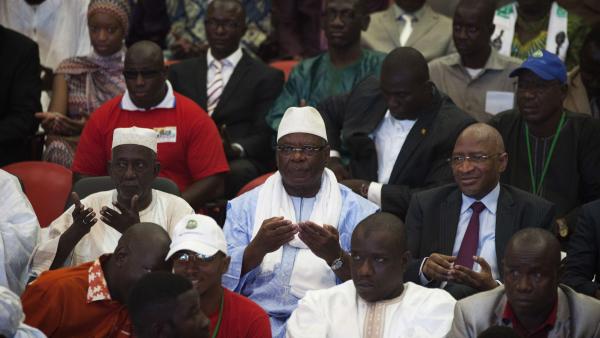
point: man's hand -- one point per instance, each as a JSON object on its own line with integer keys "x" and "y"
{"x": 274, "y": 232}
{"x": 357, "y": 186}
{"x": 340, "y": 171}
{"x": 230, "y": 151}
{"x": 83, "y": 219}
{"x": 437, "y": 267}
{"x": 121, "y": 221}
{"x": 322, "y": 241}
{"x": 478, "y": 280}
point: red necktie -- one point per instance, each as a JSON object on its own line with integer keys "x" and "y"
{"x": 470, "y": 243}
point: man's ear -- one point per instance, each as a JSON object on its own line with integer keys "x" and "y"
{"x": 156, "y": 168}
{"x": 121, "y": 256}
{"x": 108, "y": 167}
{"x": 364, "y": 22}
{"x": 226, "y": 262}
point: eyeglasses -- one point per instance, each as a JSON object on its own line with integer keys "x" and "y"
{"x": 305, "y": 150}
{"x": 227, "y": 24}
{"x": 146, "y": 74}
{"x": 460, "y": 159}
{"x": 195, "y": 257}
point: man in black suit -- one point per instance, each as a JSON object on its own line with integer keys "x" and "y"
{"x": 236, "y": 91}
{"x": 20, "y": 88}
{"x": 583, "y": 256}
{"x": 457, "y": 233}
{"x": 398, "y": 131}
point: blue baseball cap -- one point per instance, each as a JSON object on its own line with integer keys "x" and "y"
{"x": 544, "y": 64}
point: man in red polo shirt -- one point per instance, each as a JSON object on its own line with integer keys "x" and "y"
{"x": 189, "y": 146}
{"x": 199, "y": 253}
{"x": 89, "y": 300}
{"x": 531, "y": 301}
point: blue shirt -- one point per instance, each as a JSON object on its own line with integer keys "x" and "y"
{"x": 271, "y": 290}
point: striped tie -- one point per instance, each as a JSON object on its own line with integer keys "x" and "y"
{"x": 215, "y": 88}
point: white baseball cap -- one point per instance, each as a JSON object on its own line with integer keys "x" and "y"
{"x": 198, "y": 233}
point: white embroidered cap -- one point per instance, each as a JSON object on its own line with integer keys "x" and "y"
{"x": 198, "y": 233}
{"x": 140, "y": 136}
{"x": 302, "y": 120}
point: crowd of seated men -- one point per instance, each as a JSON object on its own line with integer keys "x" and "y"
{"x": 424, "y": 169}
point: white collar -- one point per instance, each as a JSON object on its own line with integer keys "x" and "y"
{"x": 168, "y": 101}
{"x": 404, "y": 124}
{"x": 232, "y": 60}
{"x": 490, "y": 200}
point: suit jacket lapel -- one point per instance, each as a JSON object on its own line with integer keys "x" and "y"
{"x": 449, "y": 216}
{"x": 428, "y": 20}
{"x": 505, "y": 224}
{"x": 201, "y": 78}
{"x": 236, "y": 78}
{"x": 416, "y": 135}
{"x": 391, "y": 25}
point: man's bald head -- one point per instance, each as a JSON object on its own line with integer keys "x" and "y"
{"x": 531, "y": 264}
{"x": 379, "y": 257}
{"x": 406, "y": 61}
{"x": 478, "y": 160}
{"x": 386, "y": 222}
{"x": 142, "y": 249}
{"x": 484, "y": 133}
{"x": 405, "y": 83}
{"x": 147, "y": 51}
{"x": 535, "y": 242}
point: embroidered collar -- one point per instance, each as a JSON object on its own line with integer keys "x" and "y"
{"x": 97, "y": 287}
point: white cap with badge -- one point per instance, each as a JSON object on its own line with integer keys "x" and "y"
{"x": 302, "y": 120}
{"x": 198, "y": 233}
{"x": 139, "y": 136}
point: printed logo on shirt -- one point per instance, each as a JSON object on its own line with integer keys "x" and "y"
{"x": 166, "y": 134}
{"x": 191, "y": 224}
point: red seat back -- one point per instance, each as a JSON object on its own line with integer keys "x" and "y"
{"x": 285, "y": 66}
{"x": 254, "y": 183}
{"x": 47, "y": 186}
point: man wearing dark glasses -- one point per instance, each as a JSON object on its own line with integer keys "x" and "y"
{"x": 189, "y": 146}
{"x": 457, "y": 233}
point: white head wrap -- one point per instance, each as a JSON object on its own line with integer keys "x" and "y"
{"x": 139, "y": 136}
{"x": 302, "y": 120}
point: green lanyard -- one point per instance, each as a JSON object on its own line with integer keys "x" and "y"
{"x": 218, "y": 326}
{"x": 536, "y": 187}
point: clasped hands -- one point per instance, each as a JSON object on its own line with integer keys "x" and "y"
{"x": 60, "y": 124}
{"x": 274, "y": 232}
{"x": 121, "y": 220}
{"x": 442, "y": 268}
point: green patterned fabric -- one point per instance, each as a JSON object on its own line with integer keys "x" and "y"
{"x": 576, "y": 31}
{"x": 315, "y": 79}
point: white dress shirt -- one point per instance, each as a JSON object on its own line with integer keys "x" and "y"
{"x": 59, "y": 27}
{"x": 389, "y": 137}
{"x": 229, "y": 64}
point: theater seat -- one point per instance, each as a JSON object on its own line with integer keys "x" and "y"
{"x": 254, "y": 183}
{"x": 89, "y": 185}
{"x": 47, "y": 186}
{"x": 285, "y": 66}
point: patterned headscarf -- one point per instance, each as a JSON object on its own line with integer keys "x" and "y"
{"x": 119, "y": 8}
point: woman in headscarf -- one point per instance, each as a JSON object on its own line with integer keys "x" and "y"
{"x": 84, "y": 83}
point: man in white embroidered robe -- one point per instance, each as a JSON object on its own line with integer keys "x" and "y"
{"x": 292, "y": 233}
{"x": 376, "y": 303}
{"x": 93, "y": 226}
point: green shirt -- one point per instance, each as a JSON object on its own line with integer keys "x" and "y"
{"x": 315, "y": 79}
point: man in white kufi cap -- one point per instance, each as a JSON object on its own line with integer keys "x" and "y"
{"x": 93, "y": 226}
{"x": 292, "y": 234}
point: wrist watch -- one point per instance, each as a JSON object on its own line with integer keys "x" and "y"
{"x": 337, "y": 263}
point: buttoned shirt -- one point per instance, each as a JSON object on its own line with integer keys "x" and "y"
{"x": 399, "y": 12}
{"x": 483, "y": 95}
{"x": 389, "y": 137}
{"x": 229, "y": 63}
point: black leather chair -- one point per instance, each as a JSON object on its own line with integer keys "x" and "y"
{"x": 89, "y": 185}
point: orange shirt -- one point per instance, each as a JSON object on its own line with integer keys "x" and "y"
{"x": 75, "y": 302}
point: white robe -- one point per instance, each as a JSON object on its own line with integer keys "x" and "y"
{"x": 19, "y": 230}
{"x": 165, "y": 210}
{"x": 339, "y": 312}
